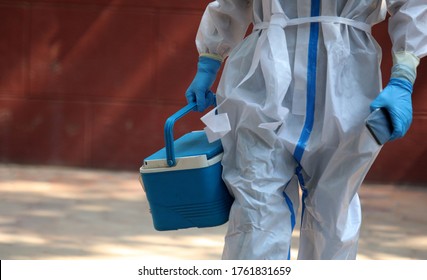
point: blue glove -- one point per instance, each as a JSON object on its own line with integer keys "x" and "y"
{"x": 396, "y": 99}
{"x": 199, "y": 90}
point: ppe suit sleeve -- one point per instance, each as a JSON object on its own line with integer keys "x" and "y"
{"x": 223, "y": 26}
{"x": 408, "y": 33}
{"x": 407, "y": 26}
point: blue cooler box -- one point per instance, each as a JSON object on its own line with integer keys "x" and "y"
{"x": 183, "y": 181}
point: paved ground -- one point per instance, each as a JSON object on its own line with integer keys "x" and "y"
{"x": 68, "y": 213}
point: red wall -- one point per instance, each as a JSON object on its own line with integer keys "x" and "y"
{"x": 404, "y": 160}
{"x": 90, "y": 82}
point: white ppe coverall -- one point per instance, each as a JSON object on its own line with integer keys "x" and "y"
{"x": 297, "y": 89}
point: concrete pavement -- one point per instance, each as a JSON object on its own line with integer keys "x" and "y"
{"x": 72, "y": 213}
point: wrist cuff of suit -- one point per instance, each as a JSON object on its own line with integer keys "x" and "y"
{"x": 212, "y": 56}
{"x": 405, "y": 66}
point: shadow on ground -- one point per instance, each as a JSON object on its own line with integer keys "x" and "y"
{"x": 66, "y": 213}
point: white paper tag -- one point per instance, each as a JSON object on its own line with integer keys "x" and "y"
{"x": 216, "y": 125}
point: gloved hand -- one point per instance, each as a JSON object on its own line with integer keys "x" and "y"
{"x": 396, "y": 98}
{"x": 199, "y": 90}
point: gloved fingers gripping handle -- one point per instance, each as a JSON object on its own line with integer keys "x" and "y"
{"x": 202, "y": 99}
{"x": 199, "y": 90}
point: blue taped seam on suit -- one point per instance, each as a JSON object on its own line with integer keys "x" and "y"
{"x": 311, "y": 95}
{"x": 304, "y": 190}
{"x": 291, "y": 207}
{"x": 311, "y": 83}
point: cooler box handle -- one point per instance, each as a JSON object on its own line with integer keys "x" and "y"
{"x": 169, "y": 140}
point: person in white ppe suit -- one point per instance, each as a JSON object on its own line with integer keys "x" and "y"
{"x": 297, "y": 89}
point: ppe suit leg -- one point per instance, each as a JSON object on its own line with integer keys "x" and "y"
{"x": 332, "y": 216}
{"x": 257, "y": 168}
{"x": 339, "y": 150}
